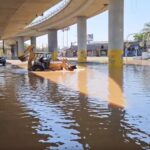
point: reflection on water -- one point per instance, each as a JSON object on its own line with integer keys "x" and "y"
{"x": 91, "y": 108}
{"x": 115, "y": 83}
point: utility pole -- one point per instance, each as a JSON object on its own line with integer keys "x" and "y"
{"x": 65, "y": 29}
{"x": 63, "y": 36}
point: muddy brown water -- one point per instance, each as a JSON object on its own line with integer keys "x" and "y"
{"x": 90, "y": 108}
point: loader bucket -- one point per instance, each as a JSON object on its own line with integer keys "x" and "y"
{"x": 22, "y": 58}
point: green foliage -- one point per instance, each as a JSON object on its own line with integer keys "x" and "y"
{"x": 138, "y": 36}
{"x": 144, "y": 35}
{"x": 146, "y": 28}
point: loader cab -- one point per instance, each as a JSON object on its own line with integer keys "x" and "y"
{"x": 41, "y": 61}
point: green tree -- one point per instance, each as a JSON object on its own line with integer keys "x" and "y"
{"x": 146, "y": 28}
{"x": 144, "y": 35}
{"x": 139, "y": 36}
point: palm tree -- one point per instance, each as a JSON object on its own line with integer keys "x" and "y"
{"x": 138, "y": 36}
{"x": 144, "y": 35}
{"x": 146, "y": 28}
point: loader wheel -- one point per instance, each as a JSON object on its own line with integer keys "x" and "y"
{"x": 4, "y": 63}
{"x": 37, "y": 68}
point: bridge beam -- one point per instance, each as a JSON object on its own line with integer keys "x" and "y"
{"x": 52, "y": 43}
{"x": 82, "y": 38}
{"x": 20, "y": 45}
{"x": 116, "y": 33}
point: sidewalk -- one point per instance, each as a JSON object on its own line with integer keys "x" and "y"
{"x": 126, "y": 60}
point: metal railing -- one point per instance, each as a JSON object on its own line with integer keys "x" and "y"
{"x": 60, "y": 6}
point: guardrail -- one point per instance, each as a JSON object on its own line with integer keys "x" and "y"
{"x": 60, "y": 7}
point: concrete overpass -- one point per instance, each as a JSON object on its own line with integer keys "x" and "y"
{"x": 77, "y": 12}
{"x": 68, "y": 16}
{"x": 16, "y": 14}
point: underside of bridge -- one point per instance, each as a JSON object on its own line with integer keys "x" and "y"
{"x": 68, "y": 16}
{"x": 16, "y": 14}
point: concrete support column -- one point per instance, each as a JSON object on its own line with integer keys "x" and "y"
{"x": 115, "y": 88}
{"x": 52, "y": 43}
{"x": 33, "y": 41}
{"x": 82, "y": 38}
{"x": 20, "y": 46}
{"x": 116, "y": 32}
{"x": 4, "y": 50}
{"x": 13, "y": 51}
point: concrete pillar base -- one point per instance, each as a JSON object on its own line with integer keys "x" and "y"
{"x": 116, "y": 99}
{"x": 54, "y": 56}
{"x": 115, "y": 58}
{"x": 82, "y": 55}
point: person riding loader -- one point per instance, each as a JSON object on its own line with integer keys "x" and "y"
{"x": 43, "y": 63}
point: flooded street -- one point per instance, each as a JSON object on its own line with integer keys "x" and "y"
{"x": 90, "y": 108}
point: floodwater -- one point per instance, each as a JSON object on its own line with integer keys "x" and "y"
{"x": 90, "y": 108}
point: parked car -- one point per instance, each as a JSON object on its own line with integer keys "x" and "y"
{"x": 2, "y": 61}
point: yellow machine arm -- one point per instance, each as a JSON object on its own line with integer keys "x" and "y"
{"x": 28, "y": 55}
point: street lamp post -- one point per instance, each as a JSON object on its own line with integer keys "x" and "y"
{"x": 65, "y": 29}
{"x": 63, "y": 37}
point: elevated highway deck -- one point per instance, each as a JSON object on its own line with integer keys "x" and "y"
{"x": 68, "y": 16}
{"x": 25, "y": 11}
{"x": 16, "y": 14}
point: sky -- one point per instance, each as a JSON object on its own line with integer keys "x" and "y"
{"x": 136, "y": 14}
